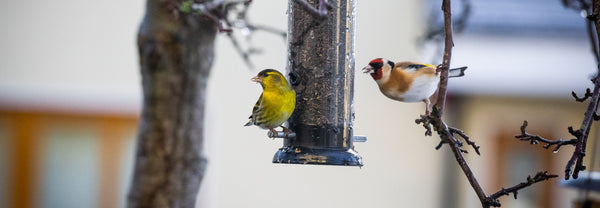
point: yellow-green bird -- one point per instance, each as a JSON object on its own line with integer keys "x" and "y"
{"x": 276, "y": 103}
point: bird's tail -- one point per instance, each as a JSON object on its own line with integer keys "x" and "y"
{"x": 457, "y": 72}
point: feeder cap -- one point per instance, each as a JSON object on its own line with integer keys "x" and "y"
{"x": 585, "y": 181}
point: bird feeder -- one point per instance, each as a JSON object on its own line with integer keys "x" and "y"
{"x": 321, "y": 66}
{"x": 587, "y": 181}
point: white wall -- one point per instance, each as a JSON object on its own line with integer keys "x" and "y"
{"x": 70, "y": 55}
{"x": 81, "y": 56}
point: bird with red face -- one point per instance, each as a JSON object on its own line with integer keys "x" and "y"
{"x": 407, "y": 81}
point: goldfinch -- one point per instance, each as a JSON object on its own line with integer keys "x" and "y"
{"x": 407, "y": 81}
{"x": 275, "y": 104}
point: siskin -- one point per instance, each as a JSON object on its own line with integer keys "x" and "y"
{"x": 275, "y": 104}
{"x": 407, "y": 81}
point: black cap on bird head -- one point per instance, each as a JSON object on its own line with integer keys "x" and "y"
{"x": 262, "y": 74}
{"x": 271, "y": 76}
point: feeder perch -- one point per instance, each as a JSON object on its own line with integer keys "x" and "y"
{"x": 321, "y": 66}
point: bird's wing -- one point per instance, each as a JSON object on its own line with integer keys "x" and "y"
{"x": 416, "y": 66}
{"x": 256, "y": 107}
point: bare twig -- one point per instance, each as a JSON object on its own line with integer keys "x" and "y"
{"x": 443, "y": 68}
{"x": 214, "y": 10}
{"x": 540, "y": 176}
{"x": 575, "y": 164}
{"x": 593, "y": 40}
{"x": 465, "y": 137}
{"x": 440, "y": 145}
{"x": 245, "y": 54}
{"x": 242, "y": 19}
{"x": 447, "y": 138}
{"x": 535, "y": 139}
{"x": 233, "y": 14}
{"x": 217, "y": 20}
{"x": 583, "y": 132}
{"x": 254, "y": 27}
{"x": 436, "y": 31}
{"x": 435, "y": 118}
{"x": 424, "y": 120}
{"x": 587, "y": 95}
{"x": 446, "y": 133}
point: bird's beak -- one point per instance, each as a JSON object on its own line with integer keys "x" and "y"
{"x": 256, "y": 79}
{"x": 367, "y": 69}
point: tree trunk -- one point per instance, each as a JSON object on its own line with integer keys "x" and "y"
{"x": 176, "y": 51}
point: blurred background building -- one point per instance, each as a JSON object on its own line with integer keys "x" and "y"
{"x": 70, "y": 96}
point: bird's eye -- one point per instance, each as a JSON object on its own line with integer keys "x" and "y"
{"x": 377, "y": 65}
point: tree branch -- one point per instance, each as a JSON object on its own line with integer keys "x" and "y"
{"x": 575, "y": 164}
{"x": 535, "y": 139}
{"x": 424, "y": 120}
{"x": 215, "y": 10}
{"x": 591, "y": 113}
{"x": 593, "y": 39}
{"x": 540, "y": 176}
{"x": 445, "y": 66}
{"x": 234, "y": 14}
{"x": 245, "y": 54}
{"x": 434, "y": 31}
{"x": 447, "y": 133}
{"x": 447, "y": 138}
{"x": 587, "y": 95}
{"x": 583, "y": 132}
{"x": 254, "y": 27}
{"x": 435, "y": 118}
{"x": 465, "y": 137}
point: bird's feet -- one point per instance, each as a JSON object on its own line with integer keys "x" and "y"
{"x": 427, "y": 103}
{"x": 273, "y": 132}
{"x": 286, "y": 131}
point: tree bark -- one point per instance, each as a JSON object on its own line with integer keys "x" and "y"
{"x": 176, "y": 52}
